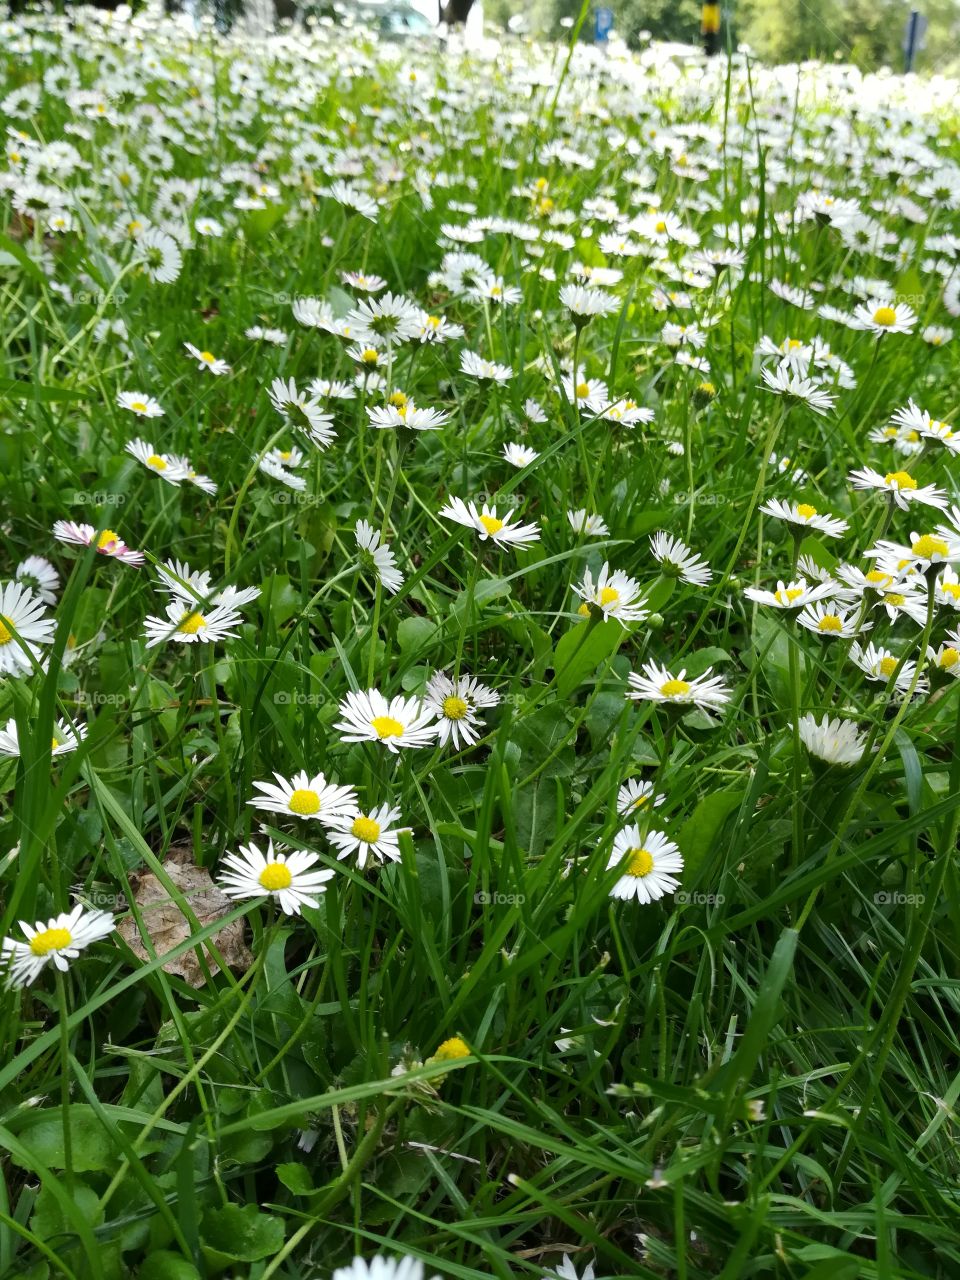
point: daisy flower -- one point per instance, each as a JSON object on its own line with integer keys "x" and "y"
{"x": 614, "y": 593}
{"x": 391, "y": 318}
{"x": 637, "y": 794}
{"x": 438, "y": 329}
{"x": 56, "y": 941}
{"x": 784, "y": 383}
{"x": 489, "y": 525}
{"x": 107, "y": 542}
{"x": 302, "y": 410}
{"x": 803, "y": 515}
{"x": 375, "y": 552}
{"x": 475, "y": 366}
{"x": 407, "y": 414}
{"x": 186, "y": 624}
{"x": 936, "y": 335}
{"x": 401, "y": 722}
{"x": 272, "y": 465}
{"x": 880, "y": 315}
{"x": 947, "y": 589}
{"x": 455, "y": 704}
{"x": 588, "y": 393}
{"x": 650, "y": 865}
{"x": 305, "y": 797}
{"x": 833, "y": 741}
{"x": 791, "y": 595}
{"x": 190, "y": 475}
{"x": 657, "y": 684}
{"x": 593, "y": 526}
{"x": 380, "y": 1268}
{"x": 159, "y": 255}
{"x": 161, "y": 464}
{"x": 677, "y": 560}
{"x": 140, "y": 403}
{"x": 287, "y": 877}
{"x": 879, "y": 664}
{"x": 519, "y": 455}
{"x": 584, "y": 303}
{"x": 23, "y": 626}
{"x": 946, "y": 657}
{"x": 369, "y": 835}
{"x": 65, "y": 738}
{"x": 901, "y": 487}
{"x": 39, "y": 575}
{"x": 190, "y": 586}
{"x": 207, "y": 360}
{"x": 368, "y": 284}
{"x": 831, "y": 622}
{"x": 926, "y": 551}
{"x": 533, "y": 411}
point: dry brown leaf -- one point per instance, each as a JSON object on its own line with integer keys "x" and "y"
{"x": 167, "y": 925}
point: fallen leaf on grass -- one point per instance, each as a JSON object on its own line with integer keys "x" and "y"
{"x": 168, "y": 927}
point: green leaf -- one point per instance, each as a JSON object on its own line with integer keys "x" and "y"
{"x": 42, "y": 1135}
{"x": 240, "y": 1233}
{"x": 698, "y": 835}
{"x": 13, "y": 389}
{"x": 414, "y": 634}
{"x": 580, "y": 651}
{"x": 49, "y": 1219}
{"x": 18, "y": 252}
{"x": 296, "y": 1178}
{"x": 164, "y": 1265}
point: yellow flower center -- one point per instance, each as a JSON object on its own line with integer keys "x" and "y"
{"x": 894, "y": 598}
{"x": 584, "y": 610}
{"x": 156, "y": 462}
{"x": 41, "y": 944}
{"x": 830, "y": 622}
{"x": 54, "y": 744}
{"x": 639, "y": 863}
{"x": 274, "y": 876}
{"x": 951, "y": 589}
{"x": 888, "y": 666}
{"x": 365, "y": 829}
{"x": 304, "y": 802}
{"x": 433, "y": 322}
{"x": 787, "y": 595}
{"x": 387, "y": 727}
{"x": 491, "y": 524}
{"x": 609, "y": 595}
{"x": 885, "y": 316}
{"x": 455, "y": 708}
{"x": 950, "y": 657}
{"x": 877, "y": 578}
{"x": 900, "y": 479}
{"x": 674, "y": 688}
{"x": 929, "y": 546}
{"x": 369, "y": 356}
{"x": 192, "y": 623}
{"x": 452, "y": 1049}
{"x": 582, "y": 390}
{"x": 207, "y": 357}
{"x": 107, "y": 540}
{"x": 398, "y": 399}
{"x": 660, "y": 227}
{"x": 805, "y": 511}
{"x": 6, "y": 635}
{"x": 134, "y": 226}
{"x": 138, "y": 405}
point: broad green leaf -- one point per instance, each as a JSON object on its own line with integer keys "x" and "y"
{"x": 240, "y": 1233}
{"x": 580, "y": 651}
{"x": 42, "y": 1135}
{"x": 698, "y": 836}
